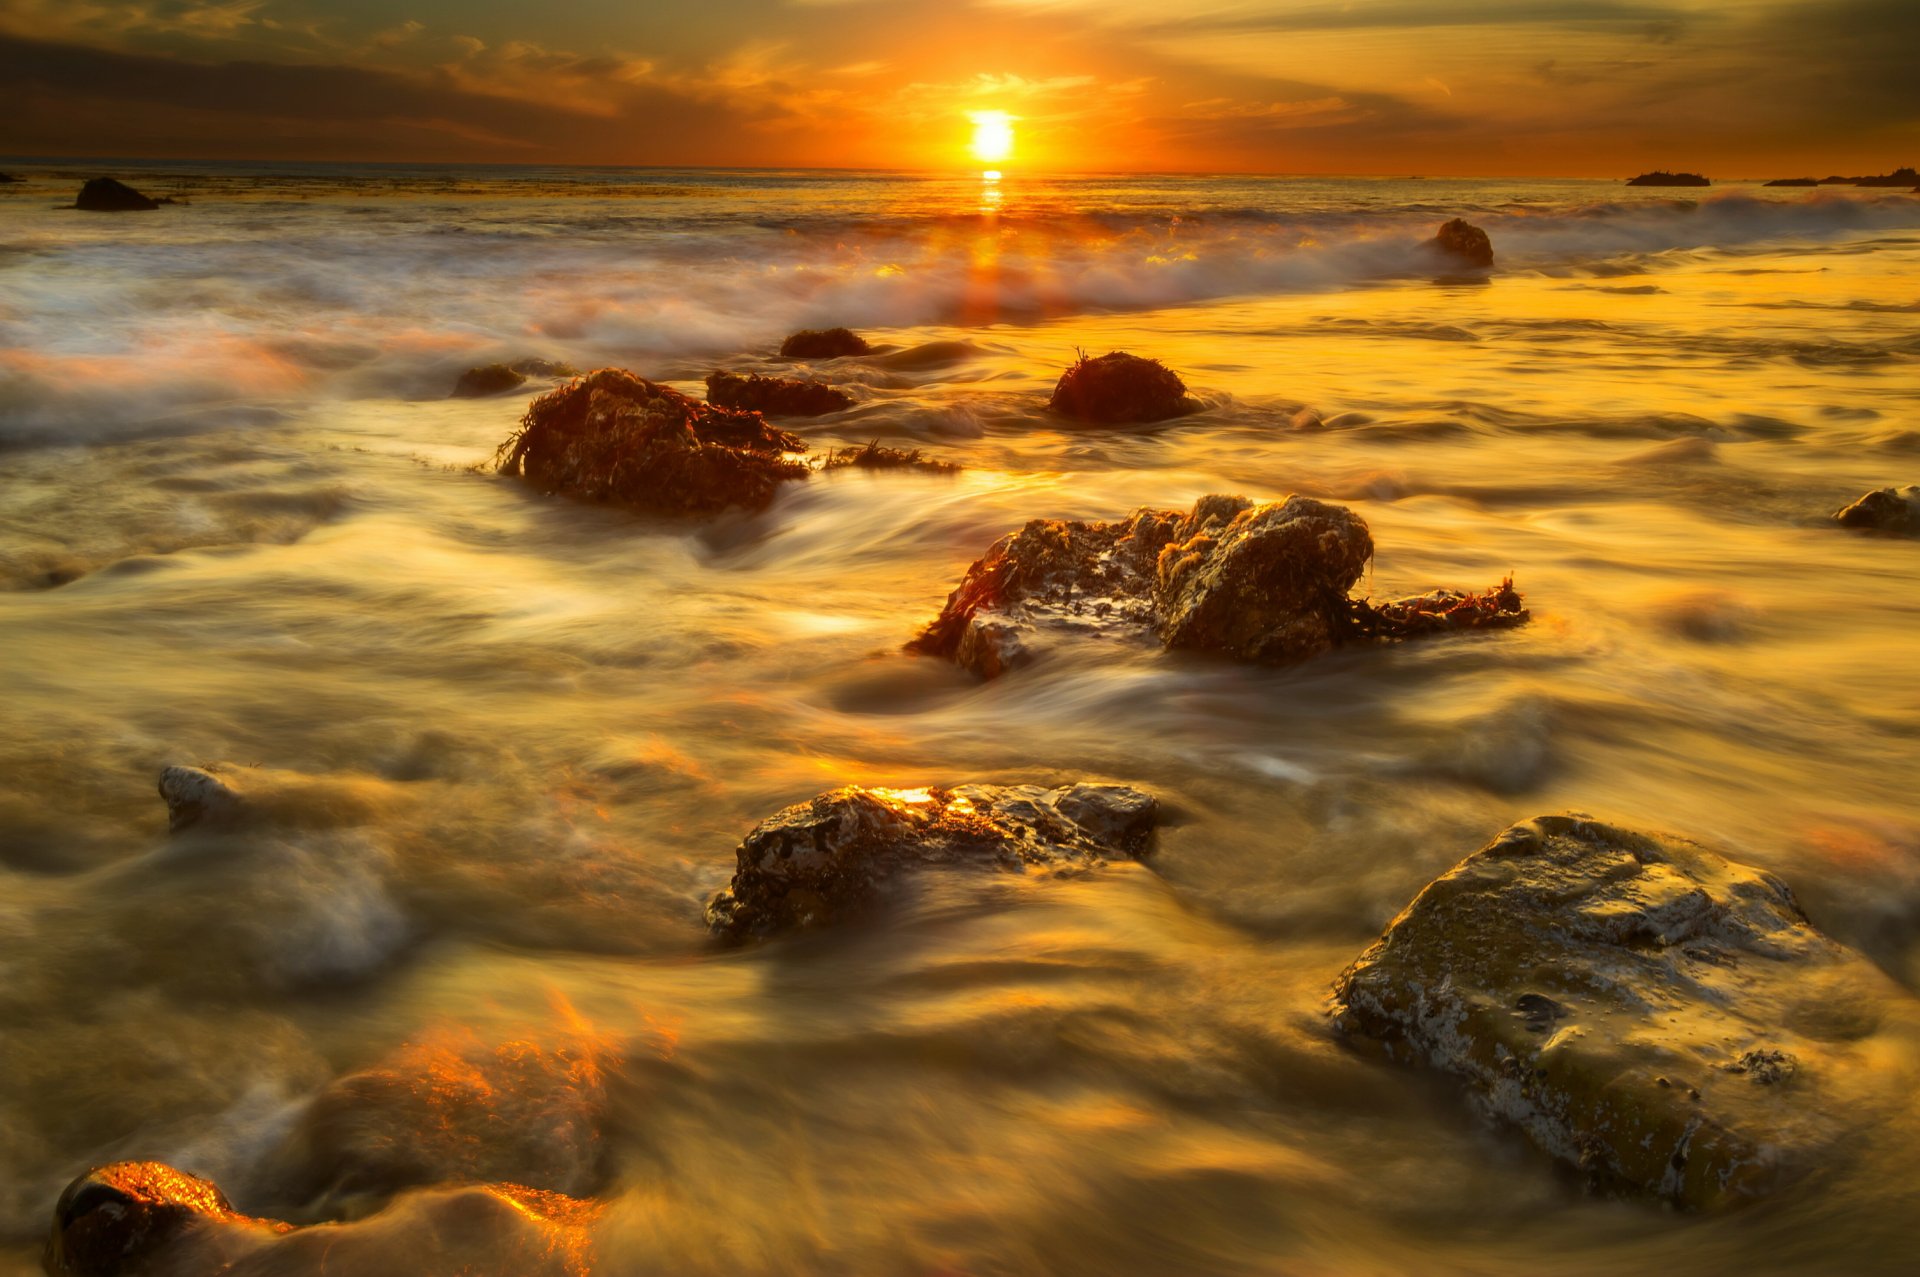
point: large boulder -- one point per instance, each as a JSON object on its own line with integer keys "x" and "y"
{"x": 1662, "y": 1018}
{"x": 105, "y": 195}
{"x": 831, "y": 858}
{"x": 148, "y": 1218}
{"x": 1260, "y": 582}
{"x": 612, "y": 436}
{"x": 1895, "y": 510}
{"x": 824, "y": 343}
{"x": 1119, "y": 388}
{"x": 778, "y": 396}
{"x": 1461, "y": 241}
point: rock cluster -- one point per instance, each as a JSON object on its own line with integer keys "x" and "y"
{"x": 1260, "y": 582}
{"x": 831, "y": 858}
{"x": 826, "y": 343}
{"x": 612, "y": 436}
{"x": 1895, "y": 510}
{"x": 1119, "y": 388}
{"x": 775, "y": 396}
{"x": 1662, "y": 1018}
{"x": 1460, "y": 240}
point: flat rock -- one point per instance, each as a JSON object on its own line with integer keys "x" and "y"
{"x": 779, "y": 396}
{"x": 1895, "y": 510}
{"x": 612, "y": 436}
{"x": 831, "y": 858}
{"x": 1664, "y": 1019}
{"x": 1263, "y": 583}
{"x": 1462, "y": 241}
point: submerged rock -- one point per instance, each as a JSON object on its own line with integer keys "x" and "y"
{"x": 1260, "y": 582}
{"x": 487, "y": 379}
{"x": 1895, "y": 510}
{"x": 779, "y": 396}
{"x": 193, "y": 794}
{"x": 825, "y": 343}
{"x": 131, "y": 1218}
{"x": 1118, "y": 388}
{"x": 877, "y": 456}
{"x": 612, "y": 436}
{"x": 1661, "y": 1018}
{"x": 1462, "y": 241}
{"x": 105, "y": 195}
{"x": 828, "y": 859}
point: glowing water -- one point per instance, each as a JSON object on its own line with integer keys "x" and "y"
{"x": 238, "y": 523}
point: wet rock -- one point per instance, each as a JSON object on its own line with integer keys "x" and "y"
{"x": 8, "y": 178}
{"x": 826, "y": 343}
{"x": 612, "y": 436}
{"x": 544, "y": 368}
{"x": 779, "y": 396}
{"x": 1462, "y": 241}
{"x": 196, "y": 794}
{"x": 825, "y": 860}
{"x": 147, "y": 1218}
{"x": 1661, "y": 177}
{"x": 1895, "y": 510}
{"x": 105, "y": 195}
{"x": 1120, "y": 388}
{"x": 877, "y": 456}
{"x": 1662, "y": 1018}
{"x": 1261, "y": 582}
{"x": 487, "y": 379}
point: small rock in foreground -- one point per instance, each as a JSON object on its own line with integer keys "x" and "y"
{"x": 106, "y": 195}
{"x": 1260, "y": 582}
{"x": 1462, "y": 241}
{"x": 824, "y": 343}
{"x": 612, "y": 436}
{"x": 1661, "y": 1018}
{"x": 1119, "y": 388}
{"x": 1895, "y": 510}
{"x": 829, "y": 859}
{"x": 776, "y": 396}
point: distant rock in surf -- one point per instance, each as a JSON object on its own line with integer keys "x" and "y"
{"x": 146, "y": 1217}
{"x": 1661, "y": 1018}
{"x": 498, "y": 379}
{"x": 1462, "y": 241}
{"x": 1899, "y": 177}
{"x": 1263, "y": 583}
{"x": 776, "y": 396}
{"x": 1895, "y": 510}
{"x": 1794, "y": 181}
{"x": 1119, "y": 388}
{"x": 611, "y": 436}
{"x": 1663, "y": 178}
{"x": 831, "y": 858}
{"x": 6, "y": 178}
{"x": 826, "y": 343}
{"x": 106, "y": 195}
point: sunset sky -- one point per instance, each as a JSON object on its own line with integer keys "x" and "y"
{"x": 1485, "y": 87}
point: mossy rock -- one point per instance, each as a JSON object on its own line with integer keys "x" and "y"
{"x": 824, "y": 343}
{"x": 1461, "y": 241}
{"x": 1119, "y": 388}
{"x": 775, "y": 396}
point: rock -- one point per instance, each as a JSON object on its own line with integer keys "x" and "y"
{"x": 1662, "y": 1018}
{"x": 544, "y": 368}
{"x": 6, "y": 178}
{"x": 828, "y": 343}
{"x": 1899, "y": 177}
{"x": 1265, "y": 583}
{"x": 194, "y": 794}
{"x": 1794, "y": 181}
{"x": 876, "y": 456}
{"x": 829, "y": 859}
{"x": 1462, "y": 241}
{"x": 1895, "y": 510}
{"x": 1663, "y": 178}
{"x": 105, "y": 195}
{"x": 779, "y": 396}
{"x": 612, "y": 436}
{"x": 147, "y": 1218}
{"x": 487, "y": 379}
{"x": 1119, "y": 388}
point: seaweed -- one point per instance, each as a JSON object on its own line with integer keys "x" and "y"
{"x": 1438, "y": 612}
{"x": 876, "y": 456}
{"x": 782, "y": 396}
{"x": 824, "y": 343}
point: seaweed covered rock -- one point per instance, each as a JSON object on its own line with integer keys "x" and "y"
{"x": 778, "y": 396}
{"x": 106, "y": 195}
{"x": 487, "y": 379}
{"x": 1261, "y": 582}
{"x": 1895, "y": 510}
{"x": 831, "y": 858}
{"x": 824, "y": 343}
{"x": 147, "y": 1218}
{"x": 1119, "y": 388}
{"x": 612, "y": 436}
{"x": 1661, "y": 1018}
{"x": 1461, "y": 241}
{"x": 877, "y": 456}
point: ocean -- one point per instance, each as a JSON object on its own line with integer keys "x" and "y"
{"x": 242, "y": 522}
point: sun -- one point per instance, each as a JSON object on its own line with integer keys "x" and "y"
{"x": 992, "y": 136}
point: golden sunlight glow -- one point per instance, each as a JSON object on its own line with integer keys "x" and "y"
{"x": 992, "y": 136}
